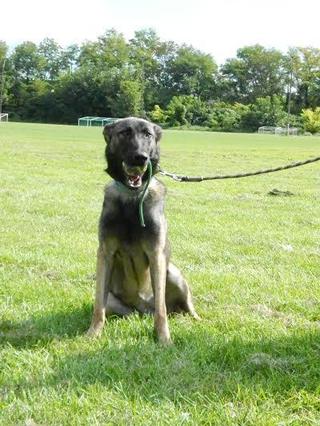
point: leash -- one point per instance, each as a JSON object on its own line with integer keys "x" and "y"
{"x": 182, "y": 178}
{"x": 142, "y": 195}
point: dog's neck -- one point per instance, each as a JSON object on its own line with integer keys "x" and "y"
{"x": 133, "y": 193}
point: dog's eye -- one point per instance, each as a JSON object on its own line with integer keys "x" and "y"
{"x": 147, "y": 134}
{"x": 126, "y": 132}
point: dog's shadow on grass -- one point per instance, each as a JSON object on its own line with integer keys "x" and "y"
{"x": 196, "y": 367}
{"x": 199, "y": 364}
{"x": 42, "y": 328}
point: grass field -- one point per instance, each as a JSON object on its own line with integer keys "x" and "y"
{"x": 252, "y": 260}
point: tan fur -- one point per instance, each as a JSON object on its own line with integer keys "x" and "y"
{"x": 133, "y": 268}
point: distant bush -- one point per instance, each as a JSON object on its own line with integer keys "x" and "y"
{"x": 224, "y": 117}
{"x": 189, "y": 111}
{"x": 157, "y": 115}
{"x": 311, "y": 120}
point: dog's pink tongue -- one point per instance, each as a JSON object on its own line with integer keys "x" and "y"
{"x": 134, "y": 180}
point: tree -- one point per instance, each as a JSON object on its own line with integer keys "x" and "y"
{"x": 149, "y": 56}
{"x": 3, "y": 59}
{"x": 70, "y": 58}
{"x": 51, "y": 58}
{"x": 76, "y": 95}
{"x": 267, "y": 111}
{"x": 129, "y": 100}
{"x": 256, "y": 72}
{"x": 192, "y": 73}
{"x": 3, "y": 50}
{"x": 187, "y": 110}
{"x": 27, "y": 62}
{"x": 26, "y": 68}
{"x": 113, "y": 49}
{"x": 225, "y": 117}
{"x": 176, "y": 112}
{"x": 303, "y": 64}
{"x": 109, "y": 51}
{"x": 176, "y": 84}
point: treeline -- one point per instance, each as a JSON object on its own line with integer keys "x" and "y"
{"x": 169, "y": 83}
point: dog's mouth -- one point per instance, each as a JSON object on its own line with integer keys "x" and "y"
{"x": 134, "y": 175}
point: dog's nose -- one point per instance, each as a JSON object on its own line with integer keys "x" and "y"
{"x": 141, "y": 158}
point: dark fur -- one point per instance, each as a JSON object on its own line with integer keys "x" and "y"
{"x": 133, "y": 267}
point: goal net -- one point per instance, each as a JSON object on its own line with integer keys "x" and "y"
{"x": 270, "y": 130}
{"x": 90, "y": 121}
{"x": 3, "y": 117}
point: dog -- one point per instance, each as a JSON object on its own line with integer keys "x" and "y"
{"x": 134, "y": 272}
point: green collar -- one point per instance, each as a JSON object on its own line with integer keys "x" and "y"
{"x": 124, "y": 189}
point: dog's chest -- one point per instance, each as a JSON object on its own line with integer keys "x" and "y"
{"x": 122, "y": 221}
{"x": 132, "y": 263}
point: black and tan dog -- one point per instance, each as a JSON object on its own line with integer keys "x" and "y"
{"x": 133, "y": 268}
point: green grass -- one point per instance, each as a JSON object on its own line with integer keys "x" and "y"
{"x": 252, "y": 260}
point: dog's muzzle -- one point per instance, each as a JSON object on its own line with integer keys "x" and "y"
{"x": 134, "y": 174}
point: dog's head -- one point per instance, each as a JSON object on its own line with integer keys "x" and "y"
{"x": 131, "y": 144}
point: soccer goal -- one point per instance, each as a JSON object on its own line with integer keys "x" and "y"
{"x": 4, "y": 117}
{"x": 267, "y": 130}
{"x": 90, "y": 121}
{"x": 292, "y": 131}
{"x": 270, "y": 130}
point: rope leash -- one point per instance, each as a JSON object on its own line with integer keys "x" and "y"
{"x": 143, "y": 196}
{"x": 182, "y": 178}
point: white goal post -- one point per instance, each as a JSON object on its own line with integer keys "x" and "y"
{"x": 4, "y": 117}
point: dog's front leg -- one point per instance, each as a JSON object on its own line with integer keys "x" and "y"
{"x": 103, "y": 276}
{"x": 158, "y": 279}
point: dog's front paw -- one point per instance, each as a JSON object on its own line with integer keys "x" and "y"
{"x": 165, "y": 340}
{"x": 195, "y": 316}
{"x": 163, "y": 336}
{"x": 94, "y": 331}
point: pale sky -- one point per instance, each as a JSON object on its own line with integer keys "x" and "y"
{"x": 218, "y": 27}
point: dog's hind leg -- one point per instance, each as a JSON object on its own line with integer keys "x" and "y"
{"x": 114, "y": 306}
{"x": 178, "y": 294}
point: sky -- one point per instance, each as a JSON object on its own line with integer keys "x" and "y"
{"x": 218, "y": 27}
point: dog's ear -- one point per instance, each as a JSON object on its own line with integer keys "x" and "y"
{"x": 107, "y": 132}
{"x": 157, "y": 131}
